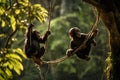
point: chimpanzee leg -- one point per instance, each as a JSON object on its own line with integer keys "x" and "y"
{"x": 83, "y": 55}
{"x": 40, "y": 52}
{"x": 30, "y": 51}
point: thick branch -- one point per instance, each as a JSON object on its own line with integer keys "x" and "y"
{"x": 93, "y": 2}
{"x": 104, "y": 5}
{"x": 56, "y": 61}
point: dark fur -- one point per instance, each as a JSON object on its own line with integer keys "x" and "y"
{"x": 32, "y": 48}
{"x": 77, "y": 41}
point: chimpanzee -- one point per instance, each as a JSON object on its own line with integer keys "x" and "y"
{"x": 77, "y": 39}
{"x": 32, "y": 47}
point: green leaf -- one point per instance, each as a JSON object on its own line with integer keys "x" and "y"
{"x": 17, "y": 11}
{"x": 5, "y": 64}
{"x": 37, "y": 5}
{"x": 12, "y": 63}
{"x": 14, "y": 56}
{"x": 23, "y": 3}
{"x": 1, "y": 77}
{"x": 39, "y": 12}
{"x": 3, "y": 23}
{"x": 8, "y": 72}
{"x": 38, "y": 18}
{"x": 2, "y": 1}
{"x": 19, "y": 51}
{"x": 2, "y": 11}
{"x": 1, "y": 71}
{"x": 18, "y": 67}
{"x": 2, "y": 35}
{"x": 13, "y": 22}
{"x": 3, "y": 74}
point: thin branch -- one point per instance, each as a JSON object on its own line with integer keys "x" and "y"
{"x": 9, "y": 37}
{"x": 41, "y": 76}
{"x": 40, "y": 72}
{"x": 50, "y": 14}
{"x": 56, "y": 61}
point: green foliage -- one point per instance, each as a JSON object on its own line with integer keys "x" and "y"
{"x": 30, "y": 71}
{"x": 39, "y": 12}
{"x": 16, "y": 13}
{"x": 10, "y": 60}
{"x": 2, "y": 35}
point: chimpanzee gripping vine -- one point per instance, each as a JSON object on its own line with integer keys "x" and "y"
{"x": 32, "y": 47}
{"x": 77, "y": 39}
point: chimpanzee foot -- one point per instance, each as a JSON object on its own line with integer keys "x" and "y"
{"x": 37, "y": 61}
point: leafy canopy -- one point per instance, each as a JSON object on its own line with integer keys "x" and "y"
{"x": 15, "y": 15}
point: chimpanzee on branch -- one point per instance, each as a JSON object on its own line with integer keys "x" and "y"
{"x": 32, "y": 44}
{"x": 77, "y": 39}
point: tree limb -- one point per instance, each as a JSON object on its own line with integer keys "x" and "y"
{"x": 56, "y": 61}
{"x": 93, "y": 2}
{"x": 9, "y": 38}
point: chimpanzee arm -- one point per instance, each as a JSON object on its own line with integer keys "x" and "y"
{"x": 94, "y": 34}
{"x": 73, "y": 47}
{"x": 43, "y": 40}
{"x": 29, "y": 32}
{"x": 28, "y": 41}
{"x": 70, "y": 51}
{"x": 91, "y": 40}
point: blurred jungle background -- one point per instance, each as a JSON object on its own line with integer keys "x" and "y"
{"x": 14, "y": 17}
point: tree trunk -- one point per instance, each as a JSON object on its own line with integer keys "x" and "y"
{"x": 111, "y": 23}
{"x": 110, "y": 15}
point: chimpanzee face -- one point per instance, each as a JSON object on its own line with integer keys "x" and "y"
{"x": 78, "y": 34}
{"x": 36, "y": 34}
{"x": 74, "y": 32}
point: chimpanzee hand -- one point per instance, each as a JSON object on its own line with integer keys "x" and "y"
{"x": 95, "y": 32}
{"x": 31, "y": 25}
{"x": 69, "y": 52}
{"x": 48, "y": 33}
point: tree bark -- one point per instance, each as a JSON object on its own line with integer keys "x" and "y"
{"x": 110, "y": 15}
